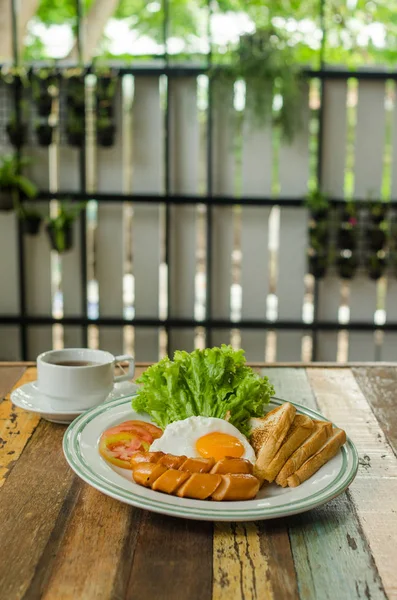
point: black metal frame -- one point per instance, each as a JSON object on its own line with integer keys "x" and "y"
{"x": 23, "y": 320}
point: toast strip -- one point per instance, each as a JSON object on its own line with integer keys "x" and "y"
{"x": 321, "y": 431}
{"x": 315, "y": 462}
{"x": 268, "y": 433}
{"x": 299, "y": 431}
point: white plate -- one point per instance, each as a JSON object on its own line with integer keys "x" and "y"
{"x": 29, "y": 398}
{"x": 80, "y": 446}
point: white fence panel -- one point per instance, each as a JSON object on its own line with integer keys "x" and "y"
{"x": 148, "y": 160}
{"x": 292, "y": 260}
{"x": 223, "y": 166}
{"x": 109, "y": 235}
{"x": 333, "y": 182}
{"x": 256, "y": 181}
{"x": 184, "y": 174}
{"x": 368, "y": 170}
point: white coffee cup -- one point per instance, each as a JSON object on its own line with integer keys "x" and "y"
{"x": 74, "y": 385}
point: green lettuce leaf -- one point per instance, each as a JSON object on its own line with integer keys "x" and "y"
{"x": 214, "y": 382}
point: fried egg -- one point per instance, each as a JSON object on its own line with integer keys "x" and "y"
{"x": 203, "y": 436}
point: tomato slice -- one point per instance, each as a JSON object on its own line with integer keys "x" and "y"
{"x": 118, "y": 443}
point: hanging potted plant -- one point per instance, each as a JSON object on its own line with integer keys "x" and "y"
{"x": 347, "y": 263}
{"x": 12, "y": 183}
{"x": 16, "y": 131}
{"x": 377, "y": 235}
{"x": 378, "y": 211}
{"x": 44, "y": 133}
{"x": 317, "y": 262}
{"x": 75, "y": 88}
{"x": 75, "y": 129}
{"x": 44, "y": 89}
{"x": 106, "y": 130}
{"x": 318, "y": 232}
{"x": 60, "y": 228}
{"x": 376, "y": 264}
{"x": 318, "y": 205}
{"x": 106, "y": 85}
{"x": 30, "y": 219}
{"x": 265, "y": 60}
{"x": 348, "y": 234}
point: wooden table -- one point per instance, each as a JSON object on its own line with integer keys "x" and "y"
{"x": 60, "y": 538}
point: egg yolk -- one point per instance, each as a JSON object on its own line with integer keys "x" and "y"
{"x": 219, "y": 445}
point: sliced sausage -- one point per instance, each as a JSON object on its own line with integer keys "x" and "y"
{"x": 170, "y": 481}
{"x": 197, "y": 465}
{"x": 146, "y": 473}
{"x": 233, "y": 465}
{"x": 236, "y": 487}
{"x": 199, "y": 486}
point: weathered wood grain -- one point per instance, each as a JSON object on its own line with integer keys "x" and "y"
{"x": 8, "y": 377}
{"x": 332, "y": 558}
{"x": 16, "y": 425}
{"x": 173, "y": 559}
{"x": 374, "y": 491}
{"x": 30, "y": 502}
{"x": 253, "y": 561}
{"x": 93, "y": 543}
{"x": 379, "y": 386}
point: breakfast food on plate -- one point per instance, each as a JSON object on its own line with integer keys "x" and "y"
{"x": 214, "y": 382}
{"x": 204, "y": 437}
{"x": 313, "y": 464}
{"x": 268, "y": 433}
{"x": 213, "y": 440}
{"x": 321, "y": 431}
{"x": 201, "y": 479}
{"x": 301, "y": 428}
{"x": 118, "y": 443}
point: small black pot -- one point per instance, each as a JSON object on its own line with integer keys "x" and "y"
{"x": 6, "y": 203}
{"x": 31, "y": 224}
{"x": 104, "y": 87}
{"x": 105, "y": 108}
{"x": 105, "y": 135}
{"x": 347, "y": 237}
{"x": 318, "y": 264}
{"x": 347, "y": 266}
{"x": 16, "y": 134}
{"x": 44, "y": 104}
{"x": 376, "y": 238}
{"x": 319, "y": 214}
{"x": 44, "y": 135}
{"x": 61, "y": 240}
{"x": 75, "y": 138}
{"x": 375, "y": 271}
{"x": 319, "y": 232}
{"x": 378, "y": 212}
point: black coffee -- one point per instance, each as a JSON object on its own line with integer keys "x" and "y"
{"x": 75, "y": 363}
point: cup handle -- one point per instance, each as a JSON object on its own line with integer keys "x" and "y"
{"x": 131, "y": 368}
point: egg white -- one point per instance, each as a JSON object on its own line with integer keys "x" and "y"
{"x": 179, "y": 438}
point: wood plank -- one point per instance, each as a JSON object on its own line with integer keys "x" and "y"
{"x": 94, "y": 541}
{"x": 184, "y": 179}
{"x": 257, "y": 158}
{"x": 334, "y": 137}
{"x": 44, "y": 473}
{"x": 247, "y": 559}
{"x": 328, "y": 532}
{"x": 173, "y": 559}
{"x": 8, "y": 377}
{"x": 379, "y": 387}
{"x": 375, "y": 488}
{"x": 223, "y": 168}
{"x": 148, "y": 177}
{"x": 16, "y": 424}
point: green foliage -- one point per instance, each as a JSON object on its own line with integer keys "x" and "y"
{"x": 67, "y": 214}
{"x": 317, "y": 201}
{"x": 266, "y": 63}
{"x": 10, "y": 177}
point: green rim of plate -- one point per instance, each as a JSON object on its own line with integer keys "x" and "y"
{"x": 71, "y": 448}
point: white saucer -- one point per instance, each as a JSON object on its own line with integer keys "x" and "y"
{"x": 29, "y": 398}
